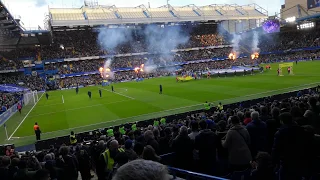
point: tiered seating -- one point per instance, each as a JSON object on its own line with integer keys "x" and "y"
{"x": 232, "y": 11}
{"x": 209, "y": 11}
{"x": 66, "y": 14}
{"x": 252, "y": 11}
{"x": 186, "y": 11}
{"x": 100, "y": 13}
{"x": 160, "y": 13}
{"x": 131, "y": 13}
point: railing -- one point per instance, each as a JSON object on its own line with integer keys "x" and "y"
{"x": 167, "y": 160}
{"x": 190, "y": 175}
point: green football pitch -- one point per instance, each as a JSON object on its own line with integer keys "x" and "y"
{"x": 135, "y": 101}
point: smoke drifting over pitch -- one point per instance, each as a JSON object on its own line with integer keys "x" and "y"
{"x": 162, "y": 40}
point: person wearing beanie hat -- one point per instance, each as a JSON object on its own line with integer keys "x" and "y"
{"x": 128, "y": 145}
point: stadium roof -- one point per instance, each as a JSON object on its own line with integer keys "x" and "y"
{"x": 105, "y": 15}
{"x": 9, "y": 26}
{"x": 13, "y": 35}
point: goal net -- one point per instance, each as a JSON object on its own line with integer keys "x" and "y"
{"x": 285, "y": 67}
{"x": 31, "y": 98}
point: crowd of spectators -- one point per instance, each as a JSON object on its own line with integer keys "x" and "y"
{"x": 272, "y": 138}
{"x": 83, "y": 43}
{"x": 31, "y": 82}
{"x": 7, "y": 100}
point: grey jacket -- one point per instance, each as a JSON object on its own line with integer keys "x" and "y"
{"x": 237, "y": 142}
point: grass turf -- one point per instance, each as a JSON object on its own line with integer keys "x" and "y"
{"x": 135, "y": 101}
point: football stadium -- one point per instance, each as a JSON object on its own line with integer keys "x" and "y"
{"x": 218, "y": 91}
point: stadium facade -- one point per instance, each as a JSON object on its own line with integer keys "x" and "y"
{"x": 300, "y": 9}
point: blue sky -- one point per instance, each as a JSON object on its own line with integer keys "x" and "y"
{"x": 33, "y": 12}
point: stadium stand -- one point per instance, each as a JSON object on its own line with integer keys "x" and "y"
{"x": 100, "y": 13}
{"x": 67, "y": 14}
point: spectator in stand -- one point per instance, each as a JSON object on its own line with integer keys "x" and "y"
{"x": 247, "y": 118}
{"x": 237, "y": 141}
{"x": 84, "y": 163}
{"x": 42, "y": 174}
{"x": 23, "y": 173}
{"x": 264, "y": 116}
{"x": 164, "y": 142}
{"x": 315, "y": 109}
{"x": 106, "y": 160}
{"x": 258, "y": 133}
{"x": 149, "y": 138}
{"x": 142, "y": 170}
{"x": 150, "y": 154}
{"x": 262, "y": 167}
{"x": 272, "y": 127}
{"x": 132, "y": 155}
{"x": 195, "y": 130}
{"x": 183, "y": 147}
{"x": 292, "y": 149}
{"x": 13, "y": 168}
{"x": 207, "y": 144}
{"x": 4, "y": 167}
{"x": 68, "y": 163}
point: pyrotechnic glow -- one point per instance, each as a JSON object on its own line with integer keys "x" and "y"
{"x": 136, "y": 69}
{"x": 232, "y": 56}
{"x": 139, "y": 69}
{"x": 255, "y": 55}
{"x": 105, "y": 73}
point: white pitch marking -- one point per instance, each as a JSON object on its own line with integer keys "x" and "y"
{"x": 25, "y": 117}
{"x": 118, "y": 93}
{"x": 78, "y": 108}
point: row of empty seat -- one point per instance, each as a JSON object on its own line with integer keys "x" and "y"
{"x": 100, "y": 13}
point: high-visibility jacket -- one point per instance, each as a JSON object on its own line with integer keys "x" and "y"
{"x": 35, "y": 127}
{"x": 73, "y": 139}
{"x": 155, "y": 123}
{"x": 108, "y": 160}
{"x": 163, "y": 121}
{"x": 122, "y": 131}
{"x": 134, "y": 127}
{"x": 110, "y": 132}
{"x": 220, "y": 107}
{"x": 206, "y": 106}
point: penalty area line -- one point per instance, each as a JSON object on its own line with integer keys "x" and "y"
{"x": 25, "y": 117}
{"x": 118, "y": 93}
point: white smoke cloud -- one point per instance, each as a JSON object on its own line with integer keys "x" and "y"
{"x": 110, "y": 38}
{"x": 235, "y": 43}
{"x": 255, "y": 42}
{"x": 162, "y": 40}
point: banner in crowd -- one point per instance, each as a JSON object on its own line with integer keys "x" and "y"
{"x": 9, "y": 71}
{"x": 11, "y": 88}
{"x": 7, "y": 114}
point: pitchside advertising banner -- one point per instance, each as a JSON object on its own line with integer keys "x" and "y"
{"x": 313, "y": 3}
{"x": 6, "y": 115}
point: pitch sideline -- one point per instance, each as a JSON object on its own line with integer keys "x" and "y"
{"x": 25, "y": 117}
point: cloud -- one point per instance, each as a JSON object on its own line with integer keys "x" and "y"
{"x": 40, "y": 3}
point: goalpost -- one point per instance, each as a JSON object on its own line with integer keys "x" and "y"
{"x": 287, "y": 66}
{"x": 31, "y": 98}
